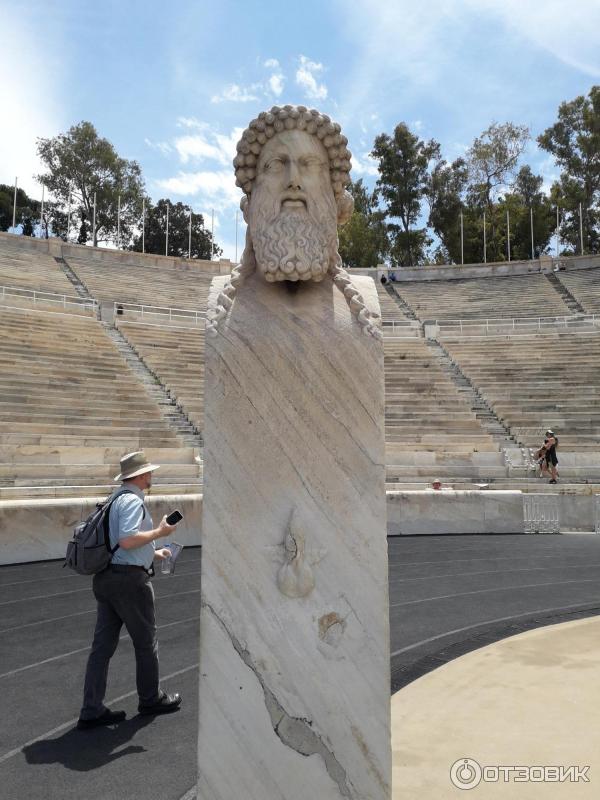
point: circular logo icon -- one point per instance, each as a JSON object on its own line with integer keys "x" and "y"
{"x": 465, "y": 773}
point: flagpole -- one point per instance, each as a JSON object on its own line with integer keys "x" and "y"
{"x": 167, "y": 236}
{"x": 143, "y": 224}
{"x": 508, "y": 233}
{"x": 42, "y": 213}
{"x": 581, "y": 228}
{"x": 484, "y": 241}
{"x": 531, "y": 224}
{"x": 236, "y": 236}
{"x": 212, "y": 235}
{"x": 119, "y": 222}
{"x": 15, "y": 206}
{"x": 557, "y": 234}
{"x": 69, "y": 216}
{"x": 190, "y": 238}
{"x": 94, "y": 223}
{"x": 462, "y": 242}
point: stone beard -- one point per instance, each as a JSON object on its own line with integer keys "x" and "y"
{"x": 296, "y": 240}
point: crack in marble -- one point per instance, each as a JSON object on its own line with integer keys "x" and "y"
{"x": 294, "y": 732}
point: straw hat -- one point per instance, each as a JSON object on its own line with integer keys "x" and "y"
{"x": 134, "y": 464}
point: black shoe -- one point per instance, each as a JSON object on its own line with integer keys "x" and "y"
{"x": 166, "y": 704}
{"x": 552, "y": 481}
{"x": 107, "y": 718}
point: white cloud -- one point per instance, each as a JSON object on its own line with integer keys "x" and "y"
{"x": 192, "y": 122}
{"x": 365, "y": 165}
{"x": 569, "y": 33}
{"x": 30, "y": 105}
{"x": 307, "y": 79}
{"x": 276, "y": 82}
{"x": 236, "y": 94}
{"x": 422, "y": 44}
{"x": 207, "y": 146}
{"x": 271, "y": 63}
{"x": 196, "y": 147}
{"x": 162, "y": 147}
{"x": 216, "y": 187}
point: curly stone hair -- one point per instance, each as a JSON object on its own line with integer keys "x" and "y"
{"x": 260, "y": 130}
{"x": 288, "y": 118}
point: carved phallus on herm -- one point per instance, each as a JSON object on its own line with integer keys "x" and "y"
{"x": 295, "y": 577}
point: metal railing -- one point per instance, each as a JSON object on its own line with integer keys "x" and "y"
{"x": 164, "y": 313}
{"x": 38, "y": 297}
{"x": 541, "y": 513}
{"x": 515, "y": 325}
{"x": 406, "y": 328}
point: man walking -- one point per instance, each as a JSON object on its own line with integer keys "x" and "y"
{"x": 126, "y": 596}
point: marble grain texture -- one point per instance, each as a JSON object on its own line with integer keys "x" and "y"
{"x": 294, "y": 642}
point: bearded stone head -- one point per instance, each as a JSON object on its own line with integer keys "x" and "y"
{"x": 293, "y": 166}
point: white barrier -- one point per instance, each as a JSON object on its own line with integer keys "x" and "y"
{"x": 517, "y": 325}
{"x": 61, "y": 300}
{"x": 541, "y": 513}
{"x": 164, "y": 313}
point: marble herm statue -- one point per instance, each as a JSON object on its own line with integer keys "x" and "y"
{"x": 294, "y": 632}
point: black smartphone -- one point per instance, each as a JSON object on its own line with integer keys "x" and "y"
{"x": 174, "y": 517}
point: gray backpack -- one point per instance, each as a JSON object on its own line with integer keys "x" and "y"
{"x": 89, "y": 550}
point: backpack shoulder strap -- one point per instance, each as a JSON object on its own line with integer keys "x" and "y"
{"x": 112, "y": 550}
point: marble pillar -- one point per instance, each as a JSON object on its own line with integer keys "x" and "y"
{"x": 294, "y": 634}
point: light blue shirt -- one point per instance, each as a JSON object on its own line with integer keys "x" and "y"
{"x": 126, "y": 518}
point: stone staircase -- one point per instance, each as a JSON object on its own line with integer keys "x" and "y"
{"x": 404, "y": 307}
{"x": 171, "y": 412}
{"x": 484, "y": 413}
{"x": 79, "y": 285}
{"x": 568, "y": 298}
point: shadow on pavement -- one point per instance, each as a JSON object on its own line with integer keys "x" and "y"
{"x": 87, "y": 750}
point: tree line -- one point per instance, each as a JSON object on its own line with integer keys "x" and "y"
{"x": 486, "y": 188}
{"x": 423, "y": 209}
{"x": 80, "y": 166}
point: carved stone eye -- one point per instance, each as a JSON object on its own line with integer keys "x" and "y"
{"x": 274, "y": 165}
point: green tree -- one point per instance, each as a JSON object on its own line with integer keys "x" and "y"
{"x": 403, "y": 162}
{"x": 493, "y": 161}
{"x": 179, "y": 219}
{"x": 28, "y": 213}
{"x": 82, "y": 163}
{"x": 527, "y": 203}
{"x": 574, "y": 141}
{"x": 363, "y": 240}
{"x": 446, "y": 193}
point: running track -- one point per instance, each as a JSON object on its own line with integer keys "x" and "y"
{"x": 448, "y": 595}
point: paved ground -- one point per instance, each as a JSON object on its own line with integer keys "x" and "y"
{"x": 529, "y": 701}
{"x": 448, "y": 595}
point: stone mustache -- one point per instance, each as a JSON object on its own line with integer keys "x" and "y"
{"x": 294, "y": 636}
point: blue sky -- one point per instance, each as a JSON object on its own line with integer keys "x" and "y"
{"x": 173, "y": 84}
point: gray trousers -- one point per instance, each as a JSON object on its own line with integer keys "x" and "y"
{"x": 123, "y": 597}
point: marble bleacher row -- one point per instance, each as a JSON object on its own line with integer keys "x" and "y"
{"x": 175, "y": 355}
{"x": 390, "y": 310}
{"x": 29, "y": 269}
{"x": 584, "y": 285}
{"x": 180, "y": 285}
{"x": 69, "y": 403}
{"x": 538, "y": 381}
{"x": 430, "y": 429}
{"x": 483, "y": 298}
